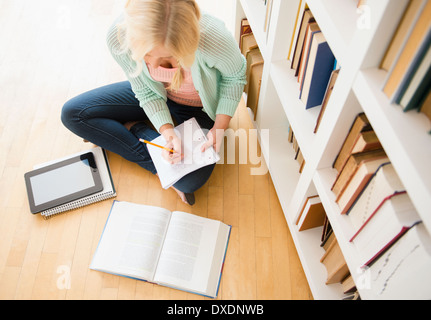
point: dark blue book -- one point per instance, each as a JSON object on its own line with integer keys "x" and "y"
{"x": 320, "y": 64}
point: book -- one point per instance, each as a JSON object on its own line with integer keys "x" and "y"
{"x": 394, "y": 216}
{"x": 367, "y": 140}
{"x": 401, "y": 34}
{"x": 411, "y": 48}
{"x": 245, "y": 28}
{"x": 192, "y": 138}
{"x": 328, "y": 239}
{"x": 399, "y": 272}
{"x": 418, "y": 88}
{"x": 317, "y": 72}
{"x": 295, "y": 145}
{"x": 247, "y": 41}
{"x": 108, "y": 191}
{"x": 253, "y": 57}
{"x": 312, "y": 29}
{"x": 327, "y": 96}
{"x": 360, "y": 124}
{"x": 416, "y": 79}
{"x": 352, "y": 295}
{"x": 348, "y": 284}
{"x": 352, "y": 165}
{"x": 312, "y": 214}
{"x": 307, "y": 18}
{"x": 256, "y": 71}
{"x": 360, "y": 178}
{"x": 290, "y": 135}
{"x": 296, "y": 27}
{"x": 173, "y": 249}
{"x": 301, "y": 160}
{"x": 382, "y": 185}
{"x": 327, "y": 234}
{"x": 335, "y": 264}
{"x": 426, "y": 106}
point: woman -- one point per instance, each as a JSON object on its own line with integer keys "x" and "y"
{"x": 179, "y": 64}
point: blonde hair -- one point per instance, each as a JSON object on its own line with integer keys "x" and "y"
{"x": 173, "y": 24}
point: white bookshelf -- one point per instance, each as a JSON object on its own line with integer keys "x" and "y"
{"x": 358, "y": 43}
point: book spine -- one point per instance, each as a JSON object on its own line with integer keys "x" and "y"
{"x": 375, "y": 211}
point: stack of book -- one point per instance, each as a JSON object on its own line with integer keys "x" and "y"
{"x": 335, "y": 264}
{"x": 358, "y": 159}
{"x": 250, "y": 50}
{"x": 408, "y": 60}
{"x": 312, "y": 60}
{"x": 369, "y": 191}
{"x": 313, "y": 215}
{"x": 391, "y": 240}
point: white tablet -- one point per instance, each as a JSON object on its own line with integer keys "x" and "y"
{"x": 62, "y": 182}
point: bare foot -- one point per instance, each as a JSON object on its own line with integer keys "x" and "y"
{"x": 181, "y": 195}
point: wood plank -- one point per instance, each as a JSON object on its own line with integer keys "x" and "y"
{"x": 247, "y": 248}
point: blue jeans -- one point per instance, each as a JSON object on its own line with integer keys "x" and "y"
{"x": 98, "y": 116}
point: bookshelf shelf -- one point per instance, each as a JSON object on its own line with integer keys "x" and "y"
{"x": 358, "y": 39}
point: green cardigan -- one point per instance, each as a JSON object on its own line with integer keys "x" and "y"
{"x": 218, "y": 73}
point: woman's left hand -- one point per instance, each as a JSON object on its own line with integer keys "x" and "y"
{"x": 216, "y": 134}
{"x": 215, "y": 139}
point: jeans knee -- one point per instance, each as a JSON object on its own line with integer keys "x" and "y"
{"x": 194, "y": 180}
{"x": 69, "y": 113}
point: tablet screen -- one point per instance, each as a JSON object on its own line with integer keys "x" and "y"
{"x": 62, "y": 182}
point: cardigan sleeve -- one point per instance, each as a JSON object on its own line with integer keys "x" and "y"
{"x": 222, "y": 53}
{"x": 148, "y": 92}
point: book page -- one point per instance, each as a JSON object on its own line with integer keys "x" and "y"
{"x": 131, "y": 241}
{"x": 401, "y": 272}
{"x": 192, "y": 138}
{"x": 187, "y": 259}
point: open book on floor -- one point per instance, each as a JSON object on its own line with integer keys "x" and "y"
{"x": 174, "y": 249}
{"x": 192, "y": 138}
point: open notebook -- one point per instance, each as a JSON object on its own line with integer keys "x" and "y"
{"x": 192, "y": 137}
{"x": 174, "y": 249}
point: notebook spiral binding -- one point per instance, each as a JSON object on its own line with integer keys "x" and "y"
{"x": 47, "y": 214}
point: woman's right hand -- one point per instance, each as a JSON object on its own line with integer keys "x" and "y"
{"x": 173, "y": 143}
{"x": 173, "y": 157}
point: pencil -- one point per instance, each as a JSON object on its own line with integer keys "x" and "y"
{"x": 156, "y": 145}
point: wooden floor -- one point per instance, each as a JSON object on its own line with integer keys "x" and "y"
{"x": 51, "y": 51}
